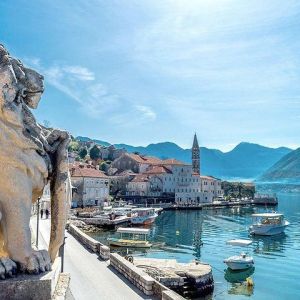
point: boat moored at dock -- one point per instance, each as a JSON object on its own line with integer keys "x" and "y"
{"x": 144, "y": 216}
{"x": 268, "y": 224}
{"x": 130, "y": 238}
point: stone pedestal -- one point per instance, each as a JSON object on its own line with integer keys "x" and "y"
{"x": 31, "y": 287}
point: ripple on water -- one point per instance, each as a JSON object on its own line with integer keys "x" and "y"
{"x": 277, "y": 262}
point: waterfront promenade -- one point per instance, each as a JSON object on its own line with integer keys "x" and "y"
{"x": 91, "y": 278}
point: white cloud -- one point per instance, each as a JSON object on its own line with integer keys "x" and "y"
{"x": 80, "y": 73}
{"x": 146, "y": 111}
{"x": 80, "y": 84}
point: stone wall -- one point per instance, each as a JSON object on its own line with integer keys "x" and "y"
{"x": 141, "y": 280}
{"x": 89, "y": 242}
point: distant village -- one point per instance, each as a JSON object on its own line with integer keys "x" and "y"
{"x": 102, "y": 173}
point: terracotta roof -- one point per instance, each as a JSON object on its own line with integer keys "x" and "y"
{"x": 144, "y": 159}
{"x": 140, "y": 178}
{"x": 126, "y": 173}
{"x": 172, "y": 161}
{"x": 207, "y": 177}
{"x": 85, "y": 170}
{"x": 158, "y": 170}
{"x": 196, "y": 174}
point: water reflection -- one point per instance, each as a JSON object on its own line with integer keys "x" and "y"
{"x": 241, "y": 289}
{"x": 268, "y": 244}
{"x": 238, "y": 276}
{"x": 202, "y": 235}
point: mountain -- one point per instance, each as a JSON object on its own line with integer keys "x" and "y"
{"x": 87, "y": 139}
{"x": 286, "y": 169}
{"x": 246, "y": 160}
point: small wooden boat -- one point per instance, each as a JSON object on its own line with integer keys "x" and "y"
{"x": 130, "y": 238}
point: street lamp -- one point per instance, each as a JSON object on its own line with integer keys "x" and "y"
{"x": 62, "y": 254}
{"x": 37, "y": 223}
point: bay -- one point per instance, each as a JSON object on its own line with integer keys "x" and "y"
{"x": 202, "y": 235}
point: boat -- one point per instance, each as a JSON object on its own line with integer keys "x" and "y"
{"x": 144, "y": 216}
{"x": 130, "y": 238}
{"x": 268, "y": 224}
{"x": 242, "y": 261}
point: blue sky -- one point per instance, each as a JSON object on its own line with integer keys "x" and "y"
{"x": 140, "y": 72}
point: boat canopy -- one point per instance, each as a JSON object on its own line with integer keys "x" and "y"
{"x": 133, "y": 230}
{"x": 144, "y": 209}
{"x": 239, "y": 242}
{"x": 267, "y": 215}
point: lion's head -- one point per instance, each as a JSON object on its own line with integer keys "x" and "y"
{"x": 21, "y": 81}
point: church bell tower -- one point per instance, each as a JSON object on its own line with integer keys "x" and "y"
{"x": 196, "y": 156}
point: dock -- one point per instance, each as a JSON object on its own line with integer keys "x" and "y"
{"x": 192, "y": 279}
{"x": 262, "y": 201}
{"x": 105, "y": 222}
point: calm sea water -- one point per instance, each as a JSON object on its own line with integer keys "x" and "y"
{"x": 277, "y": 259}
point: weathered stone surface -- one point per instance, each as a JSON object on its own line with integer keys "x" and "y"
{"x": 193, "y": 278}
{"x": 31, "y": 155}
{"x": 171, "y": 295}
{"x": 33, "y": 287}
{"x": 62, "y": 287}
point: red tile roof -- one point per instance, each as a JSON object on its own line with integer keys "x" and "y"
{"x": 207, "y": 177}
{"x": 85, "y": 170}
{"x": 173, "y": 161}
{"x": 145, "y": 159}
{"x": 140, "y": 178}
{"x": 158, "y": 170}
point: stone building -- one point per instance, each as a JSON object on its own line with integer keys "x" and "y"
{"x": 134, "y": 162}
{"x": 45, "y": 202}
{"x": 171, "y": 178}
{"x": 145, "y": 185}
{"x": 118, "y": 182}
{"x": 90, "y": 186}
{"x": 110, "y": 152}
{"x": 210, "y": 184}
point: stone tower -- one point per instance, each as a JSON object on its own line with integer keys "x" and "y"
{"x": 196, "y": 156}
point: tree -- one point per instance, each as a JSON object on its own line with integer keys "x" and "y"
{"x": 73, "y": 146}
{"x": 95, "y": 153}
{"x": 103, "y": 166}
{"x": 82, "y": 153}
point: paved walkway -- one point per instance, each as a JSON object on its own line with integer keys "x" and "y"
{"x": 91, "y": 278}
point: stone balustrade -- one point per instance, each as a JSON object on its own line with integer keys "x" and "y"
{"x": 141, "y": 280}
{"x": 137, "y": 276}
{"x": 89, "y": 242}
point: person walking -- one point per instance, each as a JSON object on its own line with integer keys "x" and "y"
{"x": 42, "y": 213}
{"x": 47, "y": 213}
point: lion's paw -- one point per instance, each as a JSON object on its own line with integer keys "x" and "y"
{"x": 38, "y": 262}
{"x": 8, "y": 268}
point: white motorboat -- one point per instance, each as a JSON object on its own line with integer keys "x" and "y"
{"x": 268, "y": 224}
{"x": 242, "y": 261}
{"x": 144, "y": 216}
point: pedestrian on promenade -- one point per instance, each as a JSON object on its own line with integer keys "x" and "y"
{"x": 47, "y": 213}
{"x": 42, "y": 213}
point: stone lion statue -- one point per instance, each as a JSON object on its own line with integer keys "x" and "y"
{"x": 31, "y": 155}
